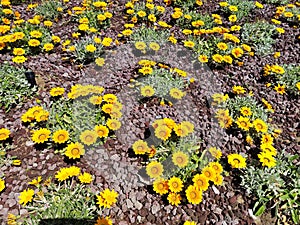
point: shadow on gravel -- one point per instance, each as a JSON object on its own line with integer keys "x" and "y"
{"x": 67, "y": 222}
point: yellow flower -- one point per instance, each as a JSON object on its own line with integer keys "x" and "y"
{"x": 107, "y": 198}
{"x": 88, "y": 137}
{"x": 217, "y": 58}
{"x": 102, "y": 220}
{"x": 141, "y": 13}
{"x": 246, "y": 111}
{"x": 26, "y": 196}
{"x": 48, "y": 47}
{"x": 110, "y": 98}
{"x": 216, "y": 166}
{"x": 60, "y": 136}
{"x": 19, "y": 59}
{"x": 90, "y": 48}
{"x": 42, "y": 116}
{"x": 276, "y": 55}
{"x": 236, "y": 161}
{"x": 176, "y": 93}
{"x": 2, "y": 185}
{"x": 113, "y": 124}
{"x": 260, "y": 126}
{"x": 233, "y": 8}
{"x": 127, "y": 32}
{"x": 218, "y": 180}
{"x": 267, "y": 159}
{"x": 259, "y": 5}
{"x": 140, "y": 45}
{"x": 140, "y": 147}
{"x": 201, "y": 182}
{"x": 189, "y": 44}
{"x": 147, "y": 91}
{"x": 175, "y": 184}
{"x": 55, "y": 39}
{"x": 215, "y": 152}
{"x": 154, "y": 169}
{"x": 180, "y": 159}
{"x": 48, "y": 23}
{"x": 57, "y": 91}
{"x": 232, "y": 18}
{"x": 34, "y": 42}
{"x": 203, "y": 58}
{"x": 36, "y": 34}
{"x": 154, "y": 46}
{"x": 288, "y": 14}
{"x": 174, "y": 199}
{"x": 238, "y": 90}
{"x": 18, "y": 51}
{"x": 74, "y": 150}
{"x": 266, "y": 139}
{"x": 160, "y": 186}
{"x": 277, "y": 69}
{"x": 102, "y": 131}
{"x": 35, "y": 182}
{"x": 41, "y": 135}
{"x": 280, "y": 89}
{"x": 243, "y": 123}
{"x": 163, "y": 132}
{"x": 152, "y": 18}
{"x": 4, "y": 134}
{"x": 191, "y": 222}
{"x": 193, "y": 194}
{"x": 246, "y": 47}
{"x": 280, "y": 30}
{"x": 208, "y": 172}
{"x": 268, "y": 148}
{"x": 85, "y": 178}
{"x": 237, "y": 52}
{"x": 222, "y": 46}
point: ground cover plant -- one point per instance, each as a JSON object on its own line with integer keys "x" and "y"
{"x": 149, "y": 112}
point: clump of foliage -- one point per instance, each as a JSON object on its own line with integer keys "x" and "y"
{"x": 14, "y": 87}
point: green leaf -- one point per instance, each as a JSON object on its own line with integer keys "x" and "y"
{"x": 260, "y": 211}
{"x": 295, "y": 217}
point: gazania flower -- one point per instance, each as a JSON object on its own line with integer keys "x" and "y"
{"x": 141, "y": 13}
{"x": 36, "y": 34}
{"x": 147, "y": 91}
{"x": 2, "y": 185}
{"x": 160, "y": 186}
{"x": 189, "y": 44}
{"x": 19, "y": 59}
{"x": 96, "y": 100}
{"x": 140, "y": 45}
{"x": 100, "y": 61}
{"x": 18, "y": 51}
{"x": 74, "y": 150}
{"x": 146, "y": 70}
{"x": 42, "y": 116}
{"x": 107, "y": 198}
{"x": 4, "y": 134}
{"x": 218, "y": 180}
{"x": 154, "y": 169}
{"x": 60, "y": 136}
{"x": 113, "y": 124}
{"x": 57, "y": 91}
{"x": 280, "y": 89}
{"x": 236, "y": 161}
{"x": 174, "y": 198}
{"x": 107, "y": 108}
{"x": 85, "y": 178}
{"x": 163, "y": 132}
{"x": 267, "y": 159}
{"x": 26, "y": 196}
{"x": 176, "y": 93}
{"x": 175, "y": 184}
{"x": 217, "y": 58}
{"x": 48, "y": 47}
{"x": 154, "y": 46}
{"x": 181, "y": 131}
{"x": 232, "y": 18}
{"x": 266, "y": 139}
{"x": 208, "y": 172}
{"x": 180, "y": 159}
{"x": 103, "y": 220}
{"x": 268, "y": 148}
{"x": 237, "y": 52}
{"x": 243, "y": 123}
{"x": 215, "y": 152}
{"x": 41, "y": 135}
{"x": 238, "y": 90}
{"x": 88, "y": 137}
{"x": 201, "y": 182}
{"x": 140, "y": 147}
{"x": 225, "y": 122}
{"x": 34, "y": 42}
{"x": 191, "y": 222}
{"x": 246, "y": 111}
{"x": 193, "y": 194}
{"x": 203, "y": 58}
{"x": 222, "y": 46}
{"x": 260, "y": 126}
{"x": 110, "y": 98}
{"x": 102, "y": 131}
{"x": 216, "y": 166}
{"x": 90, "y": 48}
